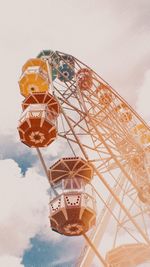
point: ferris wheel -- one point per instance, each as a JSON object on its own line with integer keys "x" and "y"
{"x": 100, "y": 186}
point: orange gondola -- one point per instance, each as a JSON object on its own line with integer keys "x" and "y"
{"x": 84, "y": 79}
{"x": 37, "y": 124}
{"x": 43, "y": 98}
{"x": 72, "y": 211}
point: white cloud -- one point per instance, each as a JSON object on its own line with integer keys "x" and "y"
{"x": 10, "y": 261}
{"x": 24, "y": 209}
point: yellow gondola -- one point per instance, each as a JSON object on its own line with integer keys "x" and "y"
{"x": 34, "y": 77}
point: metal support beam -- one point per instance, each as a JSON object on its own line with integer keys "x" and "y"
{"x": 100, "y": 229}
{"x": 45, "y": 169}
{"x": 102, "y": 261}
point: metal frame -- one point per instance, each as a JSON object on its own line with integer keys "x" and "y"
{"x": 97, "y": 134}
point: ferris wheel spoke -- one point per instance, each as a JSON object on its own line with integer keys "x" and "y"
{"x": 125, "y": 210}
{"x": 93, "y": 147}
{"x": 110, "y": 190}
{"x": 117, "y": 126}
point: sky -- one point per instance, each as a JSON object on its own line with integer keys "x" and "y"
{"x": 110, "y": 36}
